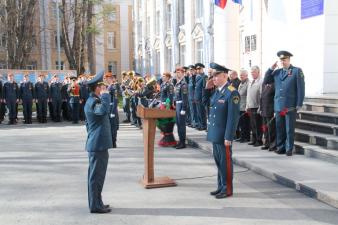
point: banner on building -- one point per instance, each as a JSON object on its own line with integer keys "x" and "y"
{"x": 311, "y": 8}
{"x": 221, "y": 3}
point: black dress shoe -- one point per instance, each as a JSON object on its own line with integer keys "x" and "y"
{"x": 238, "y": 139}
{"x": 252, "y": 143}
{"x": 257, "y": 144}
{"x": 280, "y": 151}
{"x": 215, "y": 192}
{"x": 221, "y": 195}
{"x": 126, "y": 121}
{"x": 272, "y": 149}
{"x": 289, "y": 153}
{"x": 264, "y": 147}
{"x": 105, "y": 210}
{"x": 180, "y": 146}
{"x": 106, "y": 206}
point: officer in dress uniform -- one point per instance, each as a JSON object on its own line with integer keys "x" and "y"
{"x": 289, "y": 97}
{"x": 97, "y": 110}
{"x": 126, "y": 81}
{"x": 74, "y": 94}
{"x": 187, "y": 113}
{"x": 84, "y": 94}
{"x": 201, "y": 80}
{"x": 222, "y": 124}
{"x": 27, "y": 96}
{"x": 11, "y": 95}
{"x": 181, "y": 102}
{"x": 66, "y": 115}
{"x": 167, "y": 89}
{"x": 41, "y": 95}
{"x": 55, "y": 96}
{"x": 113, "y": 114}
{"x": 191, "y": 92}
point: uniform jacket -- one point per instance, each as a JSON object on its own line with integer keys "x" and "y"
{"x": 254, "y": 93}
{"x": 191, "y": 87}
{"x": 11, "y": 91}
{"x": 267, "y": 99}
{"x": 98, "y": 124}
{"x": 74, "y": 93}
{"x": 201, "y": 80}
{"x": 223, "y": 115}
{"x": 84, "y": 90}
{"x": 27, "y": 91}
{"x": 181, "y": 93}
{"x": 41, "y": 90}
{"x": 55, "y": 91}
{"x": 167, "y": 91}
{"x": 289, "y": 85}
{"x": 235, "y": 83}
{"x": 243, "y": 91}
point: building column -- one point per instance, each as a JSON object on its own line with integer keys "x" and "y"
{"x": 188, "y": 30}
{"x": 124, "y": 34}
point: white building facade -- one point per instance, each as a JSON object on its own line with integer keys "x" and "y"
{"x": 181, "y": 32}
{"x": 172, "y": 32}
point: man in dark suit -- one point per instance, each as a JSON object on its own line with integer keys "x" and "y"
{"x": 55, "y": 96}
{"x": 2, "y": 104}
{"x": 99, "y": 140}
{"x": 266, "y": 111}
{"x": 11, "y": 95}
{"x": 223, "y": 120}
{"x": 289, "y": 97}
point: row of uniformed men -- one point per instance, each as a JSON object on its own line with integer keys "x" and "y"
{"x": 67, "y": 98}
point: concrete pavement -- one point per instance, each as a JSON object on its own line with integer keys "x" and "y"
{"x": 43, "y": 172}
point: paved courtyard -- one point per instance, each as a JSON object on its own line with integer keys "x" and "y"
{"x": 43, "y": 172}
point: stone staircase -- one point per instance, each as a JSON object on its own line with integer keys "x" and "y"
{"x": 316, "y": 132}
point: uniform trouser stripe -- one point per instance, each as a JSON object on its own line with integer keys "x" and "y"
{"x": 229, "y": 169}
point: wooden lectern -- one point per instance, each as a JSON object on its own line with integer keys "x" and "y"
{"x": 149, "y": 116}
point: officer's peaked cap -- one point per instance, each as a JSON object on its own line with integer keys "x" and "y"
{"x": 284, "y": 54}
{"x": 97, "y": 78}
{"x": 192, "y": 67}
{"x": 218, "y": 67}
{"x": 199, "y": 65}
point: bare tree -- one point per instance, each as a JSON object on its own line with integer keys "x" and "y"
{"x": 18, "y": 24}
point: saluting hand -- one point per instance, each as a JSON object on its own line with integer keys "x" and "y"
{"x": 274, "y": 66}
{"x": 104, "y": 90}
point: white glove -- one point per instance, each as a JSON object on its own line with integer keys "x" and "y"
{"x": 112, "y": 115}
{"x": 182, "y": 112}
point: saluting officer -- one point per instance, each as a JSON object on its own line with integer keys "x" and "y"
{"x": 223, "y": 119}
{"x": 27, "y": 96}
{"x": 289, "y": 97}
{"x": 11, "y": 98}
{"x": 201, "y": 80}
{"x": 41, "y": 95}
{"x": 181, "y": 101}
{"x": 99, "y": 140}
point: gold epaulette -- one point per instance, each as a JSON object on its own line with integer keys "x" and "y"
{"x": 231, "y": 88}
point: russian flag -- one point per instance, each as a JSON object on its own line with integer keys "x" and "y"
{"x": 237, "y": 1}
{"x": 221, "y": 3}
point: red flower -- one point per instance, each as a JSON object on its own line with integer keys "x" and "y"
{"x": 264, "y": 128}
{"x": 283, "y": 112}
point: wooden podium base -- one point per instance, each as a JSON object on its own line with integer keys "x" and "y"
{"x": 159, "y": 182}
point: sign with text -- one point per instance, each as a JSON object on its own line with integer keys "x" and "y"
{"x": 311, "y": 8}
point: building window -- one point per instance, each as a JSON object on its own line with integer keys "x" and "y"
{"x": 199, "y": 52}
{"x": 253, "y": 43}
{"x": 62, "y": 44}
{"x": 112, "y": 16}
{"x": 247, "y": 43}
{"x": 62, "y": 65}
{"x": 3, "y": 41}
{"x": 157, "y": 23}
{"x": 112, "y": 67}
{"x": 111, "y": 40}
{"x": 168, "y": 17}
{"x": 157, "y": 62}
{"x": 31, "y": 66}
{"x": 169, "y": 60}
{"x": 181, "y": 20}
{"x": 198, "y": 9}
{"x": 182, "y": 55}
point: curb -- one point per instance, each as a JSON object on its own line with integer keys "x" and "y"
{"x": 288, "y": 182}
